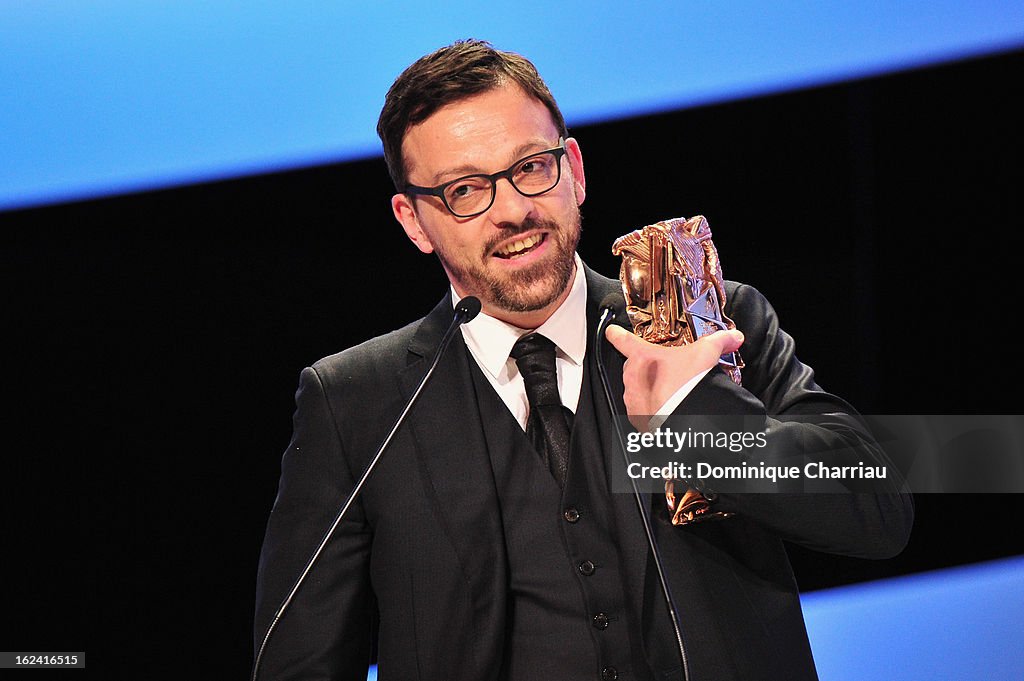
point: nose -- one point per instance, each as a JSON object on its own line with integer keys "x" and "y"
{"x": 509, "y": 207}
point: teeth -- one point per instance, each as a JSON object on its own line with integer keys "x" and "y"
{"x": 520, "y": 246}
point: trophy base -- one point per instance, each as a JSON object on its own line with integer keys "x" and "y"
{"x": 693, "y": 507}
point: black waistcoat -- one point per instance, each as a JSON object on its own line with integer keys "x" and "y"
{"x": 568, "y": 617}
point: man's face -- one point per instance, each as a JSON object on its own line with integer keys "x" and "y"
{"x": 517, "y": 257}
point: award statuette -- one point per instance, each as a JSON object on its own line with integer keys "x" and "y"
{"x": 672, "y": 281}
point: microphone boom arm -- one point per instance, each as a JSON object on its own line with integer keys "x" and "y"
{"x": 607, "y": 316}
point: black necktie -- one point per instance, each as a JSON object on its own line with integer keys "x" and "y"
{"x": 546, "y": 426}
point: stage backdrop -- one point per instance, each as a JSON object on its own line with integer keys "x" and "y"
{"x": 106, "y": 97}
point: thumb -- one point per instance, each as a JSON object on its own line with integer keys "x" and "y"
{"x": 724, "y": 341}
{"x": 623, "y": 341}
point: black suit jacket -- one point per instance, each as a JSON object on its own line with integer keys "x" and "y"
{"x": 421, "y": 559}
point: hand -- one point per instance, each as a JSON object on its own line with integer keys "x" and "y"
{"x": 653, "y": 373}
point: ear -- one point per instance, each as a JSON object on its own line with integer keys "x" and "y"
{"x": 579, "y": 184}
{"x": 405, "y": 213}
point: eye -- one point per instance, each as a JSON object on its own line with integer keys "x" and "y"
{"x": 465, "y": 188}
{"x": 537, "y": 164}
{"x": 459, "y": 191}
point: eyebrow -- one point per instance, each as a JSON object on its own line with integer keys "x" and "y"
{"x": 519, "y": 153}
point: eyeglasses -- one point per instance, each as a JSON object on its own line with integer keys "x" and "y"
{"x": 472, "y": 195}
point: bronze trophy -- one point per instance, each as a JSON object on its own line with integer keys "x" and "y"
{"x": 672, "y": 281}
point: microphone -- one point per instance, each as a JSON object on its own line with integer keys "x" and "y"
{"x": 469, "y": 308}
{"x": 465, "y": 310}
{"x": 609, "y": 304}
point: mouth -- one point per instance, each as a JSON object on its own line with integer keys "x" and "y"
{"x": 521, "y": 247}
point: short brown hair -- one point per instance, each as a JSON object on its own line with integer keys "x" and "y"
{"x": 460, "y": 70}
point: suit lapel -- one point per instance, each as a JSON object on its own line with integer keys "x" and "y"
{"x": 452, "y": 454}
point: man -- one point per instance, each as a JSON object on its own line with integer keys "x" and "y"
{"x": 478, "y": 550}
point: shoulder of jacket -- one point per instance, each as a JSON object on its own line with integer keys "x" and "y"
{"x": 368, "y": 360}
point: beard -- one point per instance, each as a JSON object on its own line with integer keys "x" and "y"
{"x": 529, "y": 288}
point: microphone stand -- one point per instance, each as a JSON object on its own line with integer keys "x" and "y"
{"x": 607, "y": 316}
{"x": 465, "y": 310}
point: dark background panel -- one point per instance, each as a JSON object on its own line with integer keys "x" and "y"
{"x": 154, "y": 341}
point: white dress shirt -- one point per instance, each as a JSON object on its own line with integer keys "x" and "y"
{"x": 490, "y": 341}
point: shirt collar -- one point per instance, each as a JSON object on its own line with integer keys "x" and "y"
{"x": 491, "y": 340}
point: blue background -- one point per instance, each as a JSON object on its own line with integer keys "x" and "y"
{"x": 110, "y": 96}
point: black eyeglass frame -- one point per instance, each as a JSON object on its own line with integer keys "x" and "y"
{"x": 438, "y": 191}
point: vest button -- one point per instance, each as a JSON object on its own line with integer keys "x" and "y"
{"x": 609, "y": 674}
{"x": 571, "y": 515}
{"x": 601, "y": 621}
{"x": 587, "y": 568}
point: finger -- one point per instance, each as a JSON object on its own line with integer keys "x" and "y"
{"x": 623, "y": 341}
